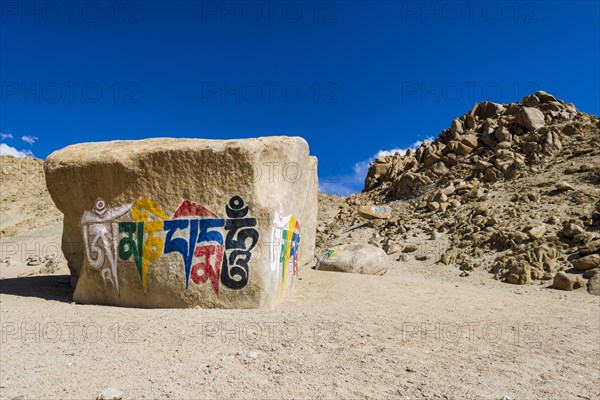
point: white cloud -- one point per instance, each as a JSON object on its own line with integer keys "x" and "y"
{"x": 4, "y": 136}
{"x": 348, "y": 184}
{"x": 29, "y": 139}
{"x": 6, "y": 150}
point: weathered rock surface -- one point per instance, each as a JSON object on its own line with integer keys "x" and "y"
{"x": 186, "y": 222}
{"x": 374, "y": 212}
{"x": 356, "y": 258}
{"x": 563, "y": 281}
{"x": 587, "y": 262}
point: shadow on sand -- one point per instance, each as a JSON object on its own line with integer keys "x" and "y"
{"x": 49, "y": 287}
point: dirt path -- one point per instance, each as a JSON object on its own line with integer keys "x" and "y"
{"x": 339, "y": 336}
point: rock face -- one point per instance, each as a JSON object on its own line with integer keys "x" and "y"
{"x": 357, "y": 258}
{"x": 186, "y": 222}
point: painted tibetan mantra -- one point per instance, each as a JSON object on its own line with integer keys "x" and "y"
{"x": 186, "y": 222}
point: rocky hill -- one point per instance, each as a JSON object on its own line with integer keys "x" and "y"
{"x": 510, "y": 188}
{"x": 25, "y": 204}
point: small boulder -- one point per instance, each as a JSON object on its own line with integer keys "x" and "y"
{"x": 570, "y": 230}
{"x": 355, "y": 258}
{"x": 587, "y": 262}
{"x": 537, "y": 232}
{"x": 563, "y": 281}
{"x": 593, "y": 284}
{"x": 563, "y": 186}
{"x": 410, "y": 248}
{"x": 375, "y": 212}
{"x": 530, "y": 118}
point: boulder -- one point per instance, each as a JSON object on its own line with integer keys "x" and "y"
{"x": 141, "y": 218}
{"x": 587, "y": 262}
{"x": 564, "y": 281}
{"x": 356, "y": 258}
{"x": 375, "y": 212}
{"x": 530, "y": 118}
{"x": 593, "y": 284}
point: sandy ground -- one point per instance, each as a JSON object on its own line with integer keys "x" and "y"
{"x": 420, "y": 331}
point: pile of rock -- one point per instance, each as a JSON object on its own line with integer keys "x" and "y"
{"x": 514, "y": 187}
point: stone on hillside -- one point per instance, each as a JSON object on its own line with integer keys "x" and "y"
{"x": 536, "y": 232}
{"x": 375, "y": 212}
{"x": 545, "y": 97}
{"x": 393, "y": 248}
{"x": 531, "y": 100}
{"x": 593, "y": 284}
{"x": 433, "y": 205}
{"x": 410, "y": 248}
{"x": 587, "y": 262}
{"x": 530, "y": 118}
{"x": 564, "y": 281}
{"x": 487, "y": 109}
{"x": 564, "y": 186}
{"x": 570, "y": 230}
{"x": 469, "y": 140}
{"x": 356, "y": 258}
{"x": 590, "y": 247}
{"x": 238, "y": 217}
{"x": 457, "y": 127}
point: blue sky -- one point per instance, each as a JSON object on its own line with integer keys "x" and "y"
{"x": 354, "y": 78}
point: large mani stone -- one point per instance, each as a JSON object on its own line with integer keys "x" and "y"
{"x": 186, "y": 222}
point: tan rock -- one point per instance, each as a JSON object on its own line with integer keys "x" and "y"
{"x": 433, "y": 205}
{"x": 186, "y": 222}
{"x": 564, "y": 281}
{"x": 410, "y": 248}
{"x": 375, "y": 212}
{"x": 530, "y": 118}
{"x": 355, "y": 258}
{"x": 593, "y": 284}
{"x": 536, "y": 232}
{"x": 563, "y": 186}
{"x": 587, "y": 262}
{"x": 570, "y": 230}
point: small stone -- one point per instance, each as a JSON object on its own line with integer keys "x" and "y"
{"x": 393, "y": 248}
{"x": 433, "y": 205}
{"x": 252, "y": 354}
{"x": 410, "y": 248}
{"x": 464, "y": 274}
{"x": 481, "y": 209}
{"x": 563, "y": 186}
{"x": 404, "y": 258}
{"x": 110, "y": 394}
{"x": 570, "y": 230}
{"x": 537, "y": 232}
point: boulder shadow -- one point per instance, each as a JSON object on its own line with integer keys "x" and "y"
{"x": 48, "y": 287}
